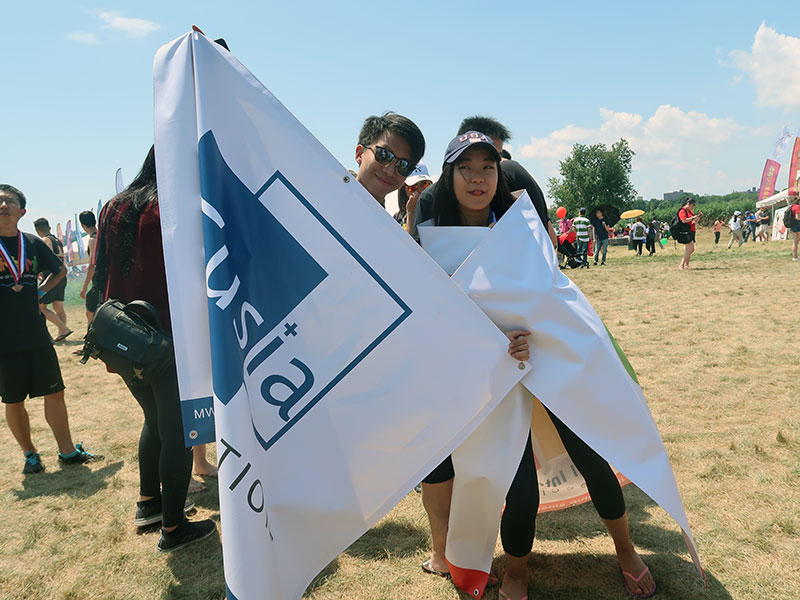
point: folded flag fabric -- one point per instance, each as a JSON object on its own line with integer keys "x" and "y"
{"x": 338, "y": 363}
{"x": 577, "y": 370}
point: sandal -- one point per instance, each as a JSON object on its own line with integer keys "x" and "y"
{"x": 62, "y": 337}
{"x": 426, "y": 566}
{"x": 195, "y": 487}
{"x": 636, "y": 580}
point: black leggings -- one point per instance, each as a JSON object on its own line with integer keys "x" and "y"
{"x": 165, "y": 463}
{"x": 518, "y": 525}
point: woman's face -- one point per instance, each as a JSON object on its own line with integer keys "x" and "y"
{"x": 475, "y": 179}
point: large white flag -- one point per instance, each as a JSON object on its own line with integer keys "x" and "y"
{"x": 343, "y": 363}
{"x": 578, "y": 372}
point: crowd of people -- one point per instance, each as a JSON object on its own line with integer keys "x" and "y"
{"x": 127, "y": 263}
{"x": 586, "y": 235}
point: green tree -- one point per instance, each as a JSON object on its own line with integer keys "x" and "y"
{"x": 593, "y": 175}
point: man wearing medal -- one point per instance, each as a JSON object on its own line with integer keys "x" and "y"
{"x": 28, "y": 362}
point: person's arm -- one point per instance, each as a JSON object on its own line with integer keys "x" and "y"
{"x": 87, "y": 281}
{"x": 552, "y": 233}
{"x": 52, "y": 280}
{"x": 411, "y": 212}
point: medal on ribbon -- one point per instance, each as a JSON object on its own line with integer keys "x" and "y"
{"x": 16, "y": 271}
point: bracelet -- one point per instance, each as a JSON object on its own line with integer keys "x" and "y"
{"x": 40, "y": 292}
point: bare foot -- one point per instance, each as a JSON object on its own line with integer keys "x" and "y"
{"x": 630, "y": 562}
{"x": 513, "y": 588}
{"x": 206, "y": 469}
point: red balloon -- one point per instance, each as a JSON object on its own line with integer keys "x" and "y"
{"x": 561, "y": 212}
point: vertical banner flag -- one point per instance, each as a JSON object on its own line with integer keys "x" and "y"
{"x": 768, "y": 179}
{"x": 119, "y": 185}
{"x": 79, "y": 239}
{"x": 513, "y": 275}
{"x": 782, "y": 144}
{"x": 68, "y": 253}
{"x": 60, "y": 234}
{"x": 343, "y": 364}
{"x": 794, "y": 185}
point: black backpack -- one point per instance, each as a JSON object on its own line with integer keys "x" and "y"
{"x": 788, "y": 218}
{"x": 679, "y": 230}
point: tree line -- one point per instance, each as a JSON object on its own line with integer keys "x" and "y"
{"x": 593, "y": 175}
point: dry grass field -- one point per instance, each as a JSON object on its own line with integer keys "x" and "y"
{"x": 716, "y": 350}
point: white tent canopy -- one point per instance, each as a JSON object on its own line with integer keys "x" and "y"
{"x": 779, "y": 198}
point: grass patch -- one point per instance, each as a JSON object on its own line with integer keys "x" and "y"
{"x": 719, "y": 392}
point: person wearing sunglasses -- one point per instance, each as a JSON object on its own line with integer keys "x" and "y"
{"x": 514, "y": 174}
{"x": 389, "y": 148}
{"x": 409, "y": 193}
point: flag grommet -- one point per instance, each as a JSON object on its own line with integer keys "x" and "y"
{"x": 521, "y": 366}
{"x": 346, "y": 178}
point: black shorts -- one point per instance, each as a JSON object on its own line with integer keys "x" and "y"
{"x": 92, "y": 299}
{"x": 444, "y": 472}
{"x": 31, "y": 373}
{"x": 56, "y": 294}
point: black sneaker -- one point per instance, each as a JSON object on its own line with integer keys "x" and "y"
{"x": 33, "y": 463}
{"x": 184, "y": 534}
{"x": 79, "y": 456}
{"x": 149, "y": 511}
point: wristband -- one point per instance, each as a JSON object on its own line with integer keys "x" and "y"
{"x": 40, "y": 292}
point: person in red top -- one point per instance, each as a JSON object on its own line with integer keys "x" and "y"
{"x": 795, "y": 208}
{"x": 686, "y": 215}
{"x": 130, "y": 266}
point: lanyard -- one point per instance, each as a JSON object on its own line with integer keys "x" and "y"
{"x": 16, "y": 272}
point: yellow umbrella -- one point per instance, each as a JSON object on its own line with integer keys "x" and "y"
{"x": 632, "y": 214}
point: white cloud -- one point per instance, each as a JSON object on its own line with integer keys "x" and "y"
{"x": 130, "y": 26}
{"x": 668, "y": 129}
{"x": 82, "y": 37}
{"x": 675, "y": 148}
{"x": 773, "y": 65}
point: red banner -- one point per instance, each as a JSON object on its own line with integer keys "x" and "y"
{"x": 793, "y": 166}
{"x": 768, "y": 179}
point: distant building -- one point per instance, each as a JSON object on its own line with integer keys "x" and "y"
{"x": 670, "y": 196}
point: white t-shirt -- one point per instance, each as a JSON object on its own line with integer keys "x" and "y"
{"x": 735, "y": 224}
{"x": 638, "y": 231}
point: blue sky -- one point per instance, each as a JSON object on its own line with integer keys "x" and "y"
{"x": 700, "y": 89}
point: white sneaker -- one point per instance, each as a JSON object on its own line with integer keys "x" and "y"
{"x": 794, "y": 259}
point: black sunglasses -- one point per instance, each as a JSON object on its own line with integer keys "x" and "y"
{"x": 384, "y": 157}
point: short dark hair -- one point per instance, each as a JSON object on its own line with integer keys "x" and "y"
{"x": 87, "y": 218}
{"x": 491, "y": 127}
{"x": 390, "y": 122}
{"x": 41, "y": 224}
{"x": 10, "y": 189}
{"x": 445, "y": 209}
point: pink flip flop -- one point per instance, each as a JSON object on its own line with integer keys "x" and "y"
{"x": 503, "y": 596}
{"x": 636, "y": 580}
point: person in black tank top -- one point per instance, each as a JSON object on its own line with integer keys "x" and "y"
{"x": 57, "y": 316}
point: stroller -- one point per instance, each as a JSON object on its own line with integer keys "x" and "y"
{"x": 567, "y": 249}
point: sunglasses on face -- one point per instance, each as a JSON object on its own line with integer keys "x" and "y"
{"x": 419, "y": 187}
{"x": 385, "y": 156}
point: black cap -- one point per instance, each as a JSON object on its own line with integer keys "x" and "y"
{"x": 466, "y": 140}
